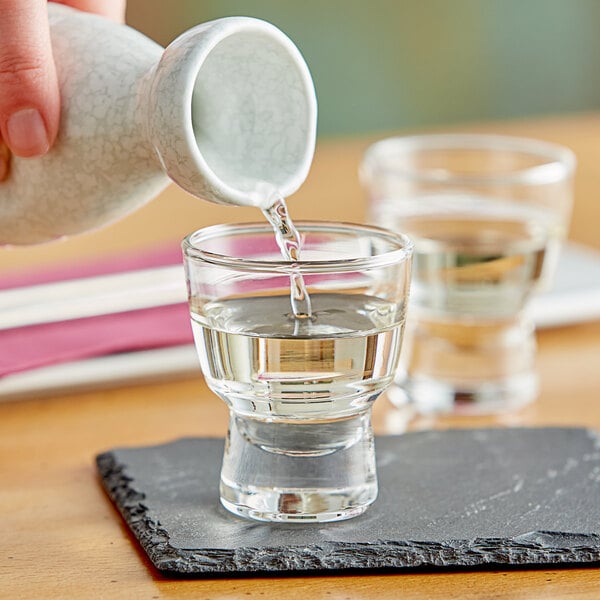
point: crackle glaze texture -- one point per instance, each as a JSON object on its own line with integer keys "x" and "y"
{"x": 228, "y": 105}
{"x": 244, "y": 113}
{"x": 101, "y": 167}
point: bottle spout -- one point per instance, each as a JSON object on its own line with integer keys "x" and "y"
{"x": 232, "y": 111}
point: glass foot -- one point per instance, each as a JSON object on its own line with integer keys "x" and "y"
{"x": 430, "y": 397}
{"x": 297, "y": 506}
{"x": 299, "y": 471}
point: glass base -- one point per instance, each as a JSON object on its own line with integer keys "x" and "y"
{"x": 299, "y": 506}
{"x": 430, "y": 397}
{"x": 468, "y": 366}
{"x": 299, "y": 471}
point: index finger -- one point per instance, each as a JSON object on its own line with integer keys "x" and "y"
{"x": 29, "y": 97}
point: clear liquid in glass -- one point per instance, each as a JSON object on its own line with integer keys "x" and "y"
{"x": 300, "y": 443}
{"x": 257, "y": 358}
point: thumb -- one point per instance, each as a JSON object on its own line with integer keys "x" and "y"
{"x": 29, "y": 97}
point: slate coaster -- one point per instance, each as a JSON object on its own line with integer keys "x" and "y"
{"x": 457, "y": 498}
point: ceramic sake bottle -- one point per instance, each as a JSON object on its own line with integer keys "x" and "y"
{"x": 228, "y": 107}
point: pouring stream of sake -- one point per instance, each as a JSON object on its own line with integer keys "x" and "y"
{"x": 289, "y": 241}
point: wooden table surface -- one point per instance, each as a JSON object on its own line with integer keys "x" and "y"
{"x": 61, "y": 537}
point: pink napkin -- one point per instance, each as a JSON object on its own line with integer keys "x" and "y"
{"x": 35, "y": 346}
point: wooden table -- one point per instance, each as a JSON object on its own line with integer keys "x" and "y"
{"x": 61, "y": 537}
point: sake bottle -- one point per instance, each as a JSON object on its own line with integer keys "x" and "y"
{"x": 226, "y": 109}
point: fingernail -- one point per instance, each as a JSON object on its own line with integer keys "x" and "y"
{"x": 26, "y": 133}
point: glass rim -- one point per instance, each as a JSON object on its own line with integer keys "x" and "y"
{"x": 402, "y": 252}
{"x": 559, "y": 161}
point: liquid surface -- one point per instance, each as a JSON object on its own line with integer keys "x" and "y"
{"x": 294, "y": 369}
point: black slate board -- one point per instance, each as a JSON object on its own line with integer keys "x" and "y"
{"x": 457, "y": 498}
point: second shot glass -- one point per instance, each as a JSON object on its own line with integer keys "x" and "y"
{"x": 487, "y": 214}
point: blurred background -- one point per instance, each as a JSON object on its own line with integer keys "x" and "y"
{"x": 390, "y": 66}
{"x": 393, "y": 64}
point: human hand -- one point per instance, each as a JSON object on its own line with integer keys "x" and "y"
{"x": 29, "y": 95}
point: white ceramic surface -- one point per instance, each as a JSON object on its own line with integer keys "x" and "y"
{"x": 232, "y": 106}
{"x": 226, "y": 107}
